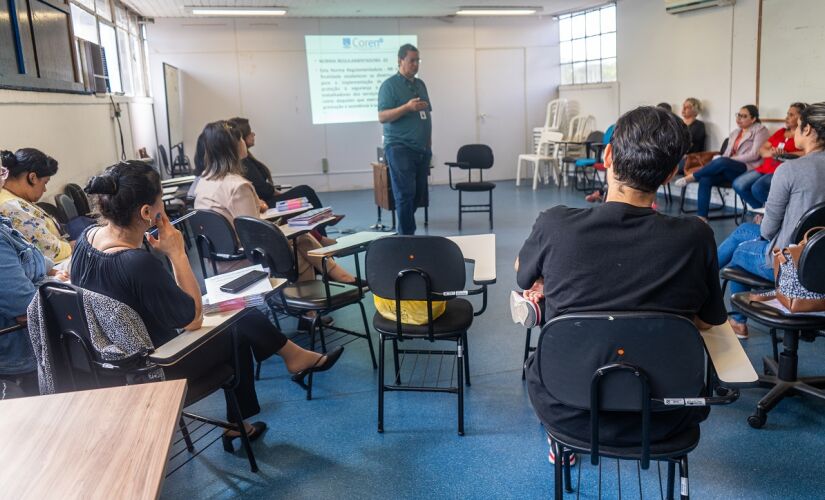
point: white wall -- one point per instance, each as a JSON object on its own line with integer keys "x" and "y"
{"x": 77, "y": 130}
{"x": 708, "y": 54}
{"x": 257, "y": 69}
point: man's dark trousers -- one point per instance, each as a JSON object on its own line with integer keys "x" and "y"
{"x": 408, "y": 174}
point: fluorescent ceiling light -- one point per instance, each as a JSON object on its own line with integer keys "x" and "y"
{"x": 238, "y": 11}
{"x": 497, "y": 11}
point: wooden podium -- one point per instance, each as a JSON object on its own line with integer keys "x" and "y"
{"x": 382, "y": 192}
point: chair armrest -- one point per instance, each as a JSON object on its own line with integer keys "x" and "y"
{"x": 463, "y": 293}
{"x": 457, "y": 164}
{"x": 135, "y": 364}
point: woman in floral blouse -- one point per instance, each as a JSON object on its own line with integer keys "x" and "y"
{"x": 29, "y": 172}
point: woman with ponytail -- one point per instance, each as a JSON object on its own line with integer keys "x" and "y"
{"x": 110, "y": 260}
{"x": 29, "y": 170}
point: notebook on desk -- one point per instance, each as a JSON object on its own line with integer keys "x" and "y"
{"x": 216, "y": 301}
{"x": 311, "y": 217}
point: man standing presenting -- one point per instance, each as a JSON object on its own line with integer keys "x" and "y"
{"x": 404, "y": 109}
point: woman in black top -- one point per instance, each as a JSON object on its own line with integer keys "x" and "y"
{"x": 261, "y": 178}
{"x": 690, "y": 110}
{"x": 110, "y": 260}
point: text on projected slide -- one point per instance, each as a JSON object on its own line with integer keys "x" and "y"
{"x": 345, "y": 73}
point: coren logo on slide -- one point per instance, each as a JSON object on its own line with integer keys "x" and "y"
{"x": 362, "y": 43}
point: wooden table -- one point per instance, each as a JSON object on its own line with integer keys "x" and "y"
{"x": 480, "y": 249}
{"x": 178, "y": 181}
{"x": 729, "y": 358}
{"x": 103, "y": 443}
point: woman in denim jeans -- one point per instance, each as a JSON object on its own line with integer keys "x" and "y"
{"x": 797, "y": 186}
{"x": 22, "y": 266}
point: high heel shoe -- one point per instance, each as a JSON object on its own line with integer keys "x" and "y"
{"x": 258, "y": 429}
{"x": 331, "y": 359}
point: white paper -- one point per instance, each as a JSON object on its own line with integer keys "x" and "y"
{"x": 213, "y": 285}
{"x": 778, "y": 305}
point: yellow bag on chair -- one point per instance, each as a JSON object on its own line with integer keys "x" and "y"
{"x": 413, "y": 312}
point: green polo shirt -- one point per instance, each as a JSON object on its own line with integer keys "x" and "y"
{"x": 413, "y": 129}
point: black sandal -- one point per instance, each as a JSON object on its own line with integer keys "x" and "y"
{"x": 331, "y": 359}
{"x": 258, "y": 429}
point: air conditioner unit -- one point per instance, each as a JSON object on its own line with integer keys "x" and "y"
{"x": 679, "y": 6}
{"x": 93, "y": 67}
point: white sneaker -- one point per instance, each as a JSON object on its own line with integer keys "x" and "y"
{"x": 523, "y": 311}
{"x": 680, "y": 182}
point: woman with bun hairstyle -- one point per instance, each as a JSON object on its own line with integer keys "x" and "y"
{"x": 29, "y": 170}
{"x": 110, "y": 260}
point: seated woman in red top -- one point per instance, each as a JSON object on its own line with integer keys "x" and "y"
{"x": 753, "y": 186}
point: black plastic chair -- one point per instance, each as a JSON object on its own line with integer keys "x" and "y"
{"x": 593, "y": 138}
{"x": 781, "y": 375}
{"x": 78, "y": 366}
{"x": 737, "y": 216}
{"x": 78, "y": 196}
{"x": 423, "y": 268}
{"x": 265, "y": 244}
{"x": 214, "y": 239}
{"x": 52, "y": 211}
{"x": 164, "y": 160}
{"x": 473, "y": 157}
{"x": 638, "y": 362}
{"x": 814, "y": 217}
{"x": 65, "y": 207}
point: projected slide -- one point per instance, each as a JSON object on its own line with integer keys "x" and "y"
{"x": 345, "y": 73}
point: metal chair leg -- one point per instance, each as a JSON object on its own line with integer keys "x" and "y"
{"x": 233, "y": 401}
{"x": 684, "y": 483}
{"x": 395, "y": 360}
{"x": 671, "y": 478}
{"x": 557, "y": 476}
{"x": 321, "y": 333}
{"x": 459, "y": 210}
{"x": 367, "y": 332}
{"x": 460, "y": 380}
{"x": 186, "y": 438}
{"x": 526, "y": 352}
{"x": 466, "y": 358}
{"x": 258, "y": 371}
{"x": 380, "y": 382}
{"x": 491, "y": 210}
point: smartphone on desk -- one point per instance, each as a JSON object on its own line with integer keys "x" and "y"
{"x": 244, "y": 281}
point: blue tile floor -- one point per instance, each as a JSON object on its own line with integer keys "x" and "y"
{"x": 329, "y": 447}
